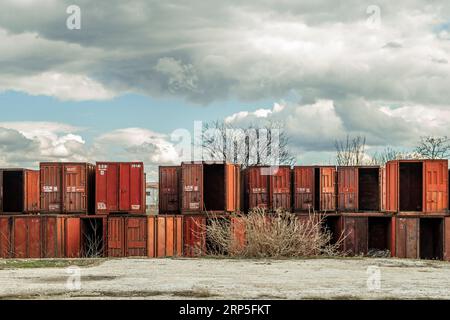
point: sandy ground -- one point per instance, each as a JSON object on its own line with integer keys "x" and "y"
{"x": 235, "y": 279}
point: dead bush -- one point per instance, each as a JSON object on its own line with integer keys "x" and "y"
{"x": 271, "y": 235}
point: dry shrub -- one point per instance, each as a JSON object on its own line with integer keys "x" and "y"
{"x": 271, "y": 235}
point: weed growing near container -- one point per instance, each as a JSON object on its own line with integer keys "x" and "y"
{"x": 260, "y": 234}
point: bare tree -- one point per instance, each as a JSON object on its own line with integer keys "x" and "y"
{"x": 250, "y": 145}
{"x": 351, "y": 151}
{"x": 380, "y": 158}
{"x": 93, "y": 240}
{"x": 431, "y": 147}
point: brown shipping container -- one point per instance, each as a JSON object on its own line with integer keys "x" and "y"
{"x": 194, "y": 235}
{"x": 19, "y": 191}
{"x": 210, "y": 186}
{"x": 26, "y": 237}
{"x": 127, "y": 236}
{"x": 417, "y": 186}
{"x": 165, "y": 236}
{"x": 72, "y": 237}
{"x": 120, "y": 187}
{"x": 447, "y": 238}
{"x": 67, "y": 187}
{"x": 314, "y": 188}
{"x": 280, "y": 188}
{"x": 359, "y": 188}
{"x": 5, "y": 236}
{"x": 169, "y": 189}
{"x": 407, "y": 237}
{"x": 256, "y": 180}
{"x": 356, "y": 235}
{"x": 52, "y": 236}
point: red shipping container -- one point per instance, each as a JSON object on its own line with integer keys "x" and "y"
{"x": 72, "y": 237}
{"x": 165, "y": 236}
{"x": 169, "y": 189}
{"x": 256, "y": 180}
{"x": 52, "y": 236}
{"x": 26, "y": 237}
{"x": 127, "y": 236}
{"x": 417, "y": 186}
{"x": 314, "y": 188}
{"x": 120, "y": 187}
{"x": 67, "y": 187}
{"x": 407, "y": 237}
{"x": 447, "y": 238}
{"x": 5, "y": 237}
{"x": 280, "y": 188}
{"x": 19, "y": 191}
{"x": 194, "y": 235}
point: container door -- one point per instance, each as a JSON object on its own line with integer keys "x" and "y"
{"x": 383, "y": 189}
{"x": 19, "y": 245}
{"x": 192, "y": 187}
{"x": 407, "y": 238}
{"x": 137, "y": 188}
{"x": 50, "y": 181}
{"x": 280, "y": 188}
{"x": 447, "y": 238}
{"x": 392, "y": 182}
{"x": 5, "y": 237}
{"x": 34, "y": 237}
{"x": 72, "y": 234}
{"x": 194, "y": 237}
{"x": 435, "y": 186}
{"x": 347, "y": 188}
{"x": 152, "y": 233}
{"x": 75, "y": 188}
{"x": 232, "y": 187}
{"x": 116, "y": 242}
{"x": 107, "y": 188}
{"x": 32, "y": 196}
{"x": 257, "y": 188}
{"x": 169, "y": 182}
{"x": 327, "y": 189}
{"x": 356, "y": 235}
{"x": 136, "y": 237}
{"x": 303, "y": 188}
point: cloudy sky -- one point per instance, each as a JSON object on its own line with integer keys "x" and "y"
{"x": 138, "y": 71}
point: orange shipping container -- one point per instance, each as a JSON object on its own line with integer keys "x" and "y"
{"x": 26, "y": 237}
{"x": 52, "y": 236}
{"x": 5, "y": 236}
{"x": 169, "y": 189}
{"x": 256, "y": 181}
{"x": 127, "y": 236}
{"x": 417, "y": 186}
{"x": 120, "y": 187}
{"x": 19, "y": 191}
{"x": 194, "y": 235}
{"x": 280, "y": 188}
{"x": 210, "y": 186}
{"x": 67, "y": 187}
{"x": 314, "y": 188}
{"x": 165, "y": 236}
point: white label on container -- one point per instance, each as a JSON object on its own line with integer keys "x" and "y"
{"x": 101, "y": 206}
{"x": 135, "y": 207}
{"x": 53, "y": 206}
{"x": 102, "y": 172}
{"x": 194, "y": 205}
{"x": 188, "y": 188}
{"x": 50, "y": 188}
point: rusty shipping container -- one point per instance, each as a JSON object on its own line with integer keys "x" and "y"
{"x": 256, "y": 184}
{"x": 165, "y": 236}
{"x": 120, "y": 187}
{"x": 194, "y": 235}
{"x": 53, "y": 236}
{"x": 26, "y": 237}
{"x": 359, "y": 188}
{"x": 127, "y": 236}
{"x": 5, "y": 236}
{"x": 169, "y": 189}
{"x": 417, "y": 186}
{"x": 19, "y": 191}
{"x": 210, "y": 186}
{"x": 67, "y": 187}
{"x": 447, "y": 239}
{"x": 280, "y": 188}
{"x": 314, "y": 188}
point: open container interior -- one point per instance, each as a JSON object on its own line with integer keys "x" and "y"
{"x": 431, "y": 238}
{"x": 411, "y": 186}
{"x": 13, "y": 184}
{"x": 369, "y": 189}
{"x": 214, "y": 187}
{"x": 332, "y": 225}
{"x": 92, "y": 232}
{"x": 316, "y": 190}
{"x": 379, "y": 237}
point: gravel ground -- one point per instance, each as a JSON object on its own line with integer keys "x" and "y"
{"x": 344, "y": 278}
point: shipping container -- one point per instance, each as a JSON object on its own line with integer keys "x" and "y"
{"x": 238, "y": 232}
{"x": 165, "y": 236}
{"x": 5, "y": 236}
{"x": 72, "y": 237}
{"x": 67, "y": 187}
{"x": 26, "y": 237}
{"x": 314, "y": 188}
{"x": 120, "y": 188}
{"x": 431, "y": 238}
{"x": 194, "y": 235}
{"x": 169, "y": 189}
{"x": 447, "y": 238}
{"x": 256, "y": 184}
{"x": 127, "y": 236}
{"x": 210, "y": 187}
{"x": 356, "y": 235}
{"x": 407, "y": 237}
{"x": 359, "y": 188}
{"x": 93, "y": 236}
{"x": 53, "y": 236}
{"x": 333, "y": 225}
{"x": 280, "y": 188}
{"x": 19, "y": 191}
{"x": 417, "y": 186}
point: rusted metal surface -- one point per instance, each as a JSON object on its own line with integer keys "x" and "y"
{"x": 417, "y": 186}
{"x": 447, "y": 238}
{"x": 52, "y": 236}
{"x": 165, "y": 236}
{"x": 194, "y": 235}
{"x": 26, "y": 237}
{"x": 256, "y": 188}
{"x": 237, "y": 229}
{"x": 67, "y": 187}
{"x": 356, "y": 235}
{"x": 116, "y": 237}
{"x": 5, "y": 237}
{"x": 19, "y": 191}
{"x": 120, "y": 187}
{"x": 327, "y": 188}
{"x": 407, "y": 237}
{"x": 347, "y": 181}
{"x": 192, "y": 187}
{"x": 232, "y": 187}
{"x": 280, "y": 188}
{"x": 72, "y": 237}
{"x": 136, "y": 236}
{"x": 169, "y": 189}
{"x": 303, "y": 188}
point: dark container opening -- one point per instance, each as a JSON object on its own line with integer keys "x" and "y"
{"x": 214, "y": 187}
{"x": 431, "y": 238}
{"x": 379, "y": 233}
{"x": 92, "y": 245}
{"x": 331, "y": 224}
{"x": 13, "y": 182}
{"x": 411, "y": 177}
{"x": 369, "y": 189}
{"x": 316, "y": 189}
